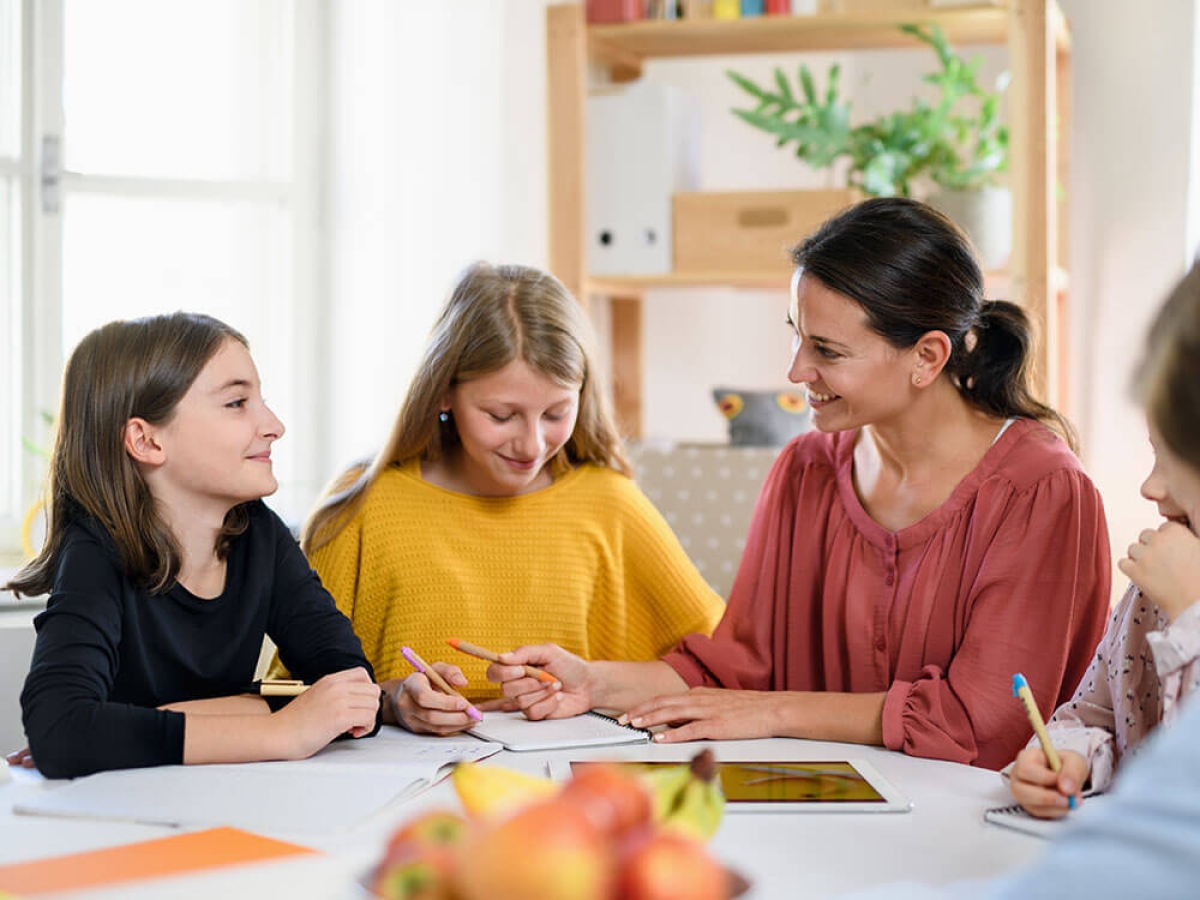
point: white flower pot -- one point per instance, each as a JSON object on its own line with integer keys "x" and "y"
{"x": 986, "y": 215}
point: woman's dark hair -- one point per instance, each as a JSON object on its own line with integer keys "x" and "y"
{"x": 913, "y": 271}
{"x": 1167, "y": 381}
{"x": 138, "y": 368}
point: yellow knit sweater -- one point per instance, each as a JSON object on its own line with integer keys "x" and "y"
{"x": 587, "y": 563}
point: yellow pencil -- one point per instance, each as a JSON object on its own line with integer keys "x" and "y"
{"x": 1025, "y": 695}
{"x": 279, "y": 687}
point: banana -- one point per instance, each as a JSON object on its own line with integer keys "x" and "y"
{"x": 492, "y": 792}
{"x": 688, "y": 797}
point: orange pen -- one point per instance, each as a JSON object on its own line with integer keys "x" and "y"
{"x": 480, "y": 653}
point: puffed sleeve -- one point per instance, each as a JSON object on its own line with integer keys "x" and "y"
{"x": 72, "y": 727}
{"x": 1037, "y": 606}
{"x": 667, "y": 598}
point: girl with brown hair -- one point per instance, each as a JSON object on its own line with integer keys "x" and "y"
{"x": 165, "y": 570}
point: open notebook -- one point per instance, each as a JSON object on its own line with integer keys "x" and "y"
{"x": 1016, "y": 818}
{"x": 344, "y": 783}
{"x": 592, "y": 729}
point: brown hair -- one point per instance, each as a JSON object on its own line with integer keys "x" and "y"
{"x": 912, "y": 271}
{"x": 138, "y": 368}
{"x": 1167, "y": 381}
{"x": 495, "y": 314}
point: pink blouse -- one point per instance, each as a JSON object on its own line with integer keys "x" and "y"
{"x": 1010, "y": 574}
{"x": 1143, "y": 668}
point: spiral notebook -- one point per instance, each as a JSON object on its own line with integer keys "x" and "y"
{"x": 1016, "y": 818}
{"x": 591, "y": 729}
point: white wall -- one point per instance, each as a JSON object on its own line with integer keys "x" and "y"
{"x": 1131, "y": 163}
{"x": 436, "y": 159}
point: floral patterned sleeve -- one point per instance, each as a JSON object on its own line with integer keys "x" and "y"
{"x": 1121, "y": 698}
{"x": 1176, "y": 650}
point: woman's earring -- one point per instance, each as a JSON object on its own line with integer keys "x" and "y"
{"x": 444, "y": 416}
{"x": 917, "y": 380}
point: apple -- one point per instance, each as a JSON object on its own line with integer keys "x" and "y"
{"x": 410, "y": 872}
{"x": 420, "y": 858}
{"x": 613, "y": 798}
{"x": 548, "y": 851}
{"x": 437, "y": 828}
{"x": 664, "y": 865}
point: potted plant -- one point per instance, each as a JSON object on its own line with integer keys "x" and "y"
{"x": 953, "y": 150}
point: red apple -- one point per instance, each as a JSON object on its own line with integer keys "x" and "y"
{"x": 437, "y": 828}
{"x": 613, "y": 798}
{"x": 420, "y": 857}
{"x": 410, "y": 871}
{"x": 669, "y": 866}
{"x": 548, "y": 851}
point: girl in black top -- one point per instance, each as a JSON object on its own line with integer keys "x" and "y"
{"x": 165, "y": 570}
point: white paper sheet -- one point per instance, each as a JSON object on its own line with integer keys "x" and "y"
{"x": 330, "y": 792}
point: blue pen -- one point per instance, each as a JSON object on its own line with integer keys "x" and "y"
{"x": 1022, "y": 692}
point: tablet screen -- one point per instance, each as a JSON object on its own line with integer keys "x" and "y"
{"x": 830, "y": 785}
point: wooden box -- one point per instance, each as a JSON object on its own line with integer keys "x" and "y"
{"x": 747, "y": 232}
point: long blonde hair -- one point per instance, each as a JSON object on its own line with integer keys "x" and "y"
{"x": 142, "y": 368}
{"x": 495, "y": 315}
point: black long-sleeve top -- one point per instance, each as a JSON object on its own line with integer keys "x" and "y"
{"x": 109, "y": 652}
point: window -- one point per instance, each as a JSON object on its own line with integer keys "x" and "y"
{"x": 169, "y": 135}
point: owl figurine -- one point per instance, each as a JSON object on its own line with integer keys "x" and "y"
{"x": 763, "y": 418}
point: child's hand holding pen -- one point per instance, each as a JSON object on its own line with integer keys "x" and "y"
{"x": 1040, "y": 790}
{"x": 427, "y": 701}
{"x": 1044, "y": 781}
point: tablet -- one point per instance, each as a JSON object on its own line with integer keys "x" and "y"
{"x": 847, "y": 785}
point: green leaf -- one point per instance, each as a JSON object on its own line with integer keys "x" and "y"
{"x": 781, "y": 82}
{"x": 806, "y": 84}
{"x": 955, "y": 140}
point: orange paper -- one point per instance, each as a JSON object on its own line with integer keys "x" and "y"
{"x": 157, "y": 858}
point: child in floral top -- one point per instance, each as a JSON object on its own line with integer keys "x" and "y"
{"x": 1149, "y": 659}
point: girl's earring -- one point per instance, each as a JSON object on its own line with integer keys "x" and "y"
{"x": 444, "y": 416}
{"x": 917, "y": 380}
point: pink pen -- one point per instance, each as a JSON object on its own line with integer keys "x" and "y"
{"x": 439, "y": 682}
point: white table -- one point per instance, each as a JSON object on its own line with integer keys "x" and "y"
{"x": 785, "y": 855}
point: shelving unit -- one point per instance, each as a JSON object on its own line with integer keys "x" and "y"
{"x": 1038, "y": 42}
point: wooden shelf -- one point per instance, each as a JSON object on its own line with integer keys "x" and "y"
{"x": 624, "y": 47}
{"x": 1038, "y": 43}
{"x": 997, "y": 284}
{"x": 628, "y": 285}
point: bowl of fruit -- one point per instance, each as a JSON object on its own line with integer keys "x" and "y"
{"x": 611, "y": 831}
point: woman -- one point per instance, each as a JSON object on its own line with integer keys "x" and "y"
{"x": 932, "y": 536}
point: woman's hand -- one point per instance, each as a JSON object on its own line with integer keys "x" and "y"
{"x": 22, "y": 758}
{"x": 711, "y": 714}
{"x": 1165, "y": 565}
{"x": 1040, "y": 790}
{"x": 345, "y": 701}
{"x": 423, "y": 709}
{"x": 572, "y": 694}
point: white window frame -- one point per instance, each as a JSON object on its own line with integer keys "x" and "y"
{"x": 38, "y": 315}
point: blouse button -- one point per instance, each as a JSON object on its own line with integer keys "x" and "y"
{"x": 890, "y": 578}
{"x": 880, "y": 645}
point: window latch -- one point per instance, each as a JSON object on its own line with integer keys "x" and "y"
{"x": 51, "y": 173}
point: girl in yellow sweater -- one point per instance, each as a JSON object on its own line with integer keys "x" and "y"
{"x": 501, "y": 510}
